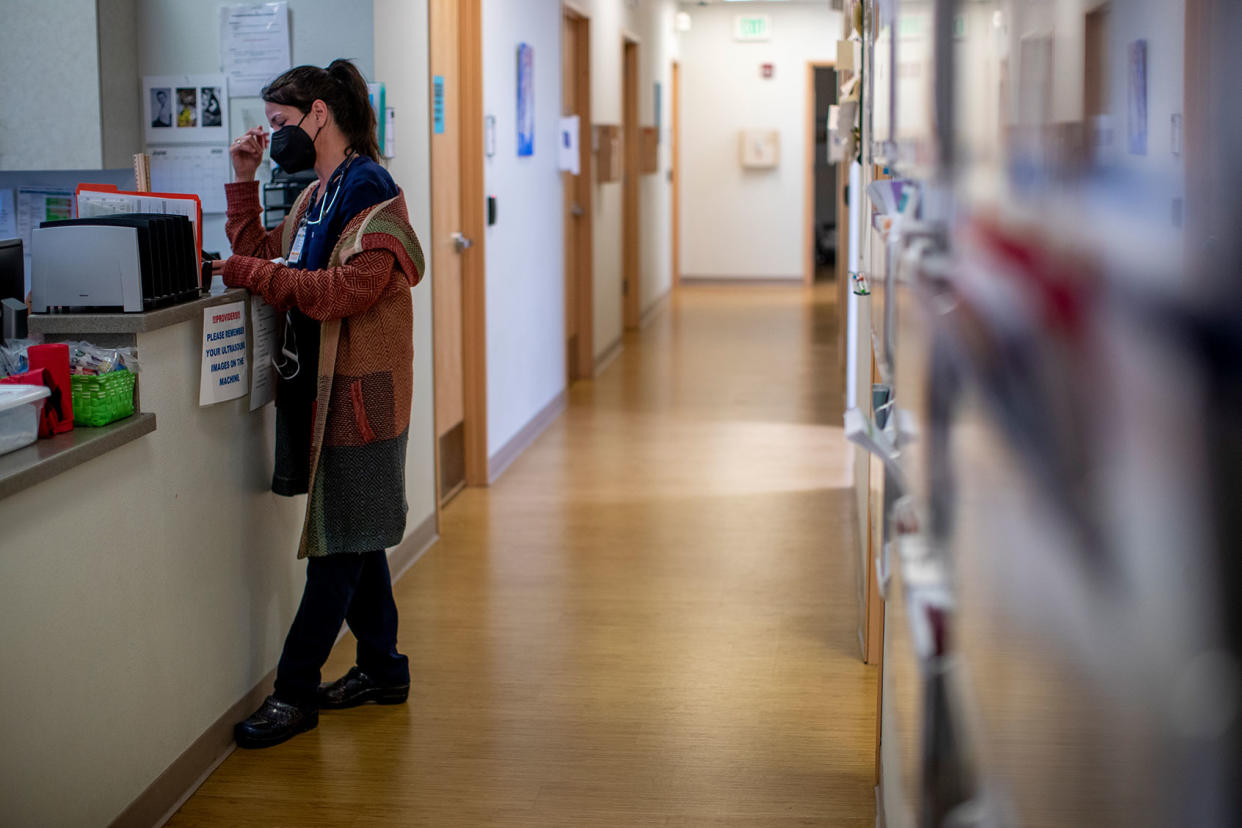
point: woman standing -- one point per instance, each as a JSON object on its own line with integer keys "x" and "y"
{"x": 346, "y": 258}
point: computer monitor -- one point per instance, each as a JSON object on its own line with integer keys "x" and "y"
{"x": 12, "y": 270}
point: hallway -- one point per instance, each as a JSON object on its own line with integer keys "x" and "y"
{"x": 649, "y": 619}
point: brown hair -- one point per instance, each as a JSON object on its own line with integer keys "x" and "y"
{"x": 340, "y": 86}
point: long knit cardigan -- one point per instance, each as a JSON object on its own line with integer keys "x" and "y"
{"x": 361, "y": 413}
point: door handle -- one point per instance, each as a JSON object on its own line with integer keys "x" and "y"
{"x": 577, "y": 210}
{"x": 462, "y": 242}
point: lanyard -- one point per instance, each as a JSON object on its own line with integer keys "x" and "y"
{"x": 287, "y": 363}
{"x": 327, "y": 202}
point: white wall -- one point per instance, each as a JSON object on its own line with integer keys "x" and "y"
{"x": 651, "y": 22}
{"x": 49, "y": 62}
{"x": 1163, "y": 26}
{"x": 177, "y": 37}
{"x": 400, "y": 53}
{"x": 735, "y": 222}
{"x": 659, "y": 48}
{"x": 525, "y": 248}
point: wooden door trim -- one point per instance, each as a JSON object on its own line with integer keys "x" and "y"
{"x": 585, "y": 277}
{"x": 675, "y": 168}
{"x": 631, "y": 255}
{"x": 473, "y": 220}
{"x": 808, "y": 189}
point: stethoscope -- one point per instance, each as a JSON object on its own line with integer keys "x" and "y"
{"x": 289, "y": 346}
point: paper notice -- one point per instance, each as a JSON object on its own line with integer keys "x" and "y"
{"x": 264, "y": 327}
{"x": 567, "y": 146}
{"x": 223, "y": 374}
{"x": 254, "y": 46}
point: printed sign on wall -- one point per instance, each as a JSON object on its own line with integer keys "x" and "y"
{"x": 223, "y": 374}
{"x": 437, "y": 103}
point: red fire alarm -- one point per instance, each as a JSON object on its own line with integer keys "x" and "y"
{"x": 767, "y": 70}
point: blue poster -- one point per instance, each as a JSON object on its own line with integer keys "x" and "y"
{"x": 526, "y": 100}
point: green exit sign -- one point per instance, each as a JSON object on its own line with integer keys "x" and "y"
{"x": 752, "y": 27}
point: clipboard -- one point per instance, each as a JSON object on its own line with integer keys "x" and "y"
{"x": 112, "y": 199}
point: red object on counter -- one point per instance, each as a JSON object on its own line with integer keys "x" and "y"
{"x": 52, "y": 409}
{"x": 55, "y": 358}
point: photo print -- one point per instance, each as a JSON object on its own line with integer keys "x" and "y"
{"x": 161, "y": 107}
{"x": 187, "y": 107}
{"x": 209, "y": 101}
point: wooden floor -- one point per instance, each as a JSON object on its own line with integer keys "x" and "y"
{"x": 649, "y": 620}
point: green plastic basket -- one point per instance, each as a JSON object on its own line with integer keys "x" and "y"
{"x": 103, "y": 399}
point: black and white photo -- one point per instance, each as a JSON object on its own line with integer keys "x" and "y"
{"x": 161, "y": 107}
{"x": 209, "y": 100}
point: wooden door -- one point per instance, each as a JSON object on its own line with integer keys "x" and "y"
{"x": 456, "y": 251}
{"x": 631, "y": 301}
{"x": 576, "y": 100}
{"x": 674, "y": 172}
{"x": 1095, "y": 65}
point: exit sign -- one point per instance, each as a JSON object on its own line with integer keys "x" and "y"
{"x": 752, "y": 27}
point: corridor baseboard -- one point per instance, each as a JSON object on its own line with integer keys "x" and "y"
{"x": 521, "y": 441}
{"x": 157, "y": 804}
{"x": 606, "y": 358}
{"x": 655, "y": 309}
{"x": 413, "y": 547}
{"x": 739, "y": 281}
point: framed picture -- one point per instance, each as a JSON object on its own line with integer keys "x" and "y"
{"x": 525, "y": 100}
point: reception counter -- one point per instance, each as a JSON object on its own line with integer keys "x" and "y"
{"x": 148, "y": 576}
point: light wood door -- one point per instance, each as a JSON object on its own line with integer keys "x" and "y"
{"x": 576, "y": 100}
{"x": 1095, "y": 65}
{"x": 631, "y": 300}
{"x": 674, "y": 173}
{"x": 446, "y": 270}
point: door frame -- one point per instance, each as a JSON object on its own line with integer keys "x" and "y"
{"x": 631, "y": 254}
{"x": 474, "y": 224}
{"x": 675, "y": 171}
{"x": 808, "y": 195}
{"x": 473, "y": 263}
{"x": 583, "y": 276}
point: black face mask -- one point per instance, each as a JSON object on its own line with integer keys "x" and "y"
{"x": 292, "y": 148}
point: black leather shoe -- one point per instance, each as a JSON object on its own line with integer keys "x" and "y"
{"x": 356, "y": 687}
{"x": 273, "y": 723}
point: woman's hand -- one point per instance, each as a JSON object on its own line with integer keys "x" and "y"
{"x": 247, "y": 153}
{"x": 217, "y": 267}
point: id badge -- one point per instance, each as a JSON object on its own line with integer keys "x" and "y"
{"x": 295, "y": 252}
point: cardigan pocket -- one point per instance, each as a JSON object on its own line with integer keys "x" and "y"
{"x": 360, "y": 412}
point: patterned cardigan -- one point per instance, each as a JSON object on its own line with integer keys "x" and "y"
{"x": 361, "y": 414}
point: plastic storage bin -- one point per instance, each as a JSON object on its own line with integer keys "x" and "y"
{"x": 102, "y": 399}
{"x": 20, "y": 407}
